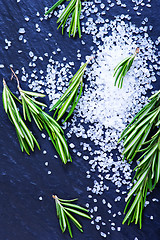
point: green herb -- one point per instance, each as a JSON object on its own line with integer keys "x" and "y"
{"x": 26, "y": 139}
{"x": 64, "y": 209}
{"x": 147, "y": 176}
{"x": 148, "y": 170}
{"x": 71, "y": 95}
{"x": 74, "y": 8}
{"x": 43, "y": 120}
{"x": 138, "y": 130}
{"x": 122, "y": 68}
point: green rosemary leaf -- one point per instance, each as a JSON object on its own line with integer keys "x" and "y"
{"x": 71, "y": 200}
{"x": 4, "y": 97}
{"x": 131, "y": 208}
{"x": 37, "y": 121}
{"x": 148, "y": 155}
{"x": 77, "y": 212}
{"x": 74, "y": 220}
{"x": 54, "y": 6}
{"x": 140, "y": 180}
{"x": 74, "y": 206}
{"x": 78, "y": 21}
{"x": 61, "y": 152}
{"x": 69, "y": 226}
{"x": 37, "y": 102}
{"x": 155, "y": 95}
{"x": 20, "y": 140}
{"x": 14, "y": 120}
{"x": 154, "y": 156}
{"x": 63, "y": 220}
{"x": 33, "y": 94}
{"x": 119, "y": 74}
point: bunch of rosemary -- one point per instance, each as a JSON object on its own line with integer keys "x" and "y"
{"x": 65, "y": 208}
{"x": 122, "y": 68}
{"x": 139, "y": 133}
{"x": 74, "y": 9}
{"x": 71, "y": 96}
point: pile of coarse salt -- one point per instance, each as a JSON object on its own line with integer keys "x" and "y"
{"x": 105, "y": 109}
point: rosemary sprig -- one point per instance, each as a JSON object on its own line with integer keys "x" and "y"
{"x": 26, "y": 139}
{"x": 43, "y": 120}
{"x": 147, "y": 176}
{"x": 64, "y": 209}
{"x": 138, "y": 130}
{"x": 148, "y": 170}
{"x": 71, "y": 95}
{"x": 74, "y": 8}
{"x": 122, "y": 68}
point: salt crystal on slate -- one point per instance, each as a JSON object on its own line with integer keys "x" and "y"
{"x": 21, "y": 31}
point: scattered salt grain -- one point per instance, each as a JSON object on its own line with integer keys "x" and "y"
{"x": 21, "y": 31}
{"x": 103, "y": 234}
{"x": 43, "y": 135}
{"x": 71, "y": 145}
{"x": 26, "y": 19}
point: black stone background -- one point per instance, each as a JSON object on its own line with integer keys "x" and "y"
{"x": 24, "y": 178}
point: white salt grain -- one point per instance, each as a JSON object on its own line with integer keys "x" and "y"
{"x": 21, "y": 31}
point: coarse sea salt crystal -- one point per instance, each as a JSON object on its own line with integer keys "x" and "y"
{"x": 21, "y": 31}
{"x": 26, "y": 19}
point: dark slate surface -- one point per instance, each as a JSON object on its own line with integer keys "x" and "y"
{"x": 24, "y": 178}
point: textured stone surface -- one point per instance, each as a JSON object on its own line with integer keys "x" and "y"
{"x": 23, "y": 179}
